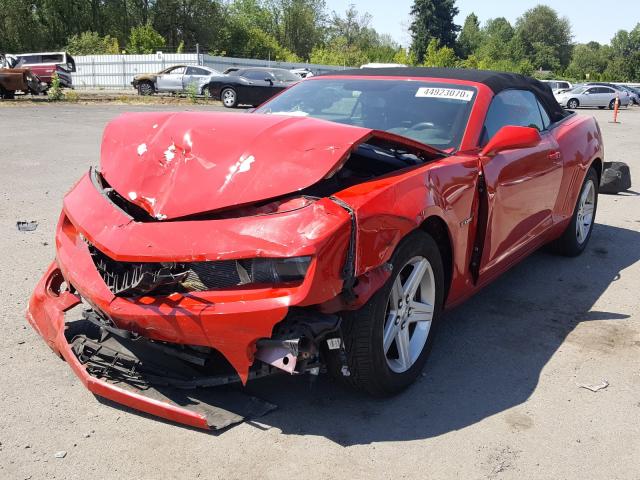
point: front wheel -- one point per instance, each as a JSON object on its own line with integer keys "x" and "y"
{"x": 388, "y": 340}
{"x": 612, "y": 104}
{"x": 573, "y": 104}
{"x": 229, "y": 97}
{"x": 146, "y": 88}
{"x": 577, "y": 234}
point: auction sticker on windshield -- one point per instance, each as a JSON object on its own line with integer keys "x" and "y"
{"x": 451, "y": 93}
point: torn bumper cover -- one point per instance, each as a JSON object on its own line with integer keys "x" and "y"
{"x": 236, "y": 322}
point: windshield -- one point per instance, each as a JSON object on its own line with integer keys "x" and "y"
{"x": 578, "y": 90}
{"x": 431, "y": 113}
{"x": 285, "y": 76}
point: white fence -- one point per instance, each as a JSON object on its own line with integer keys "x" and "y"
{"x": 117, "y": 71}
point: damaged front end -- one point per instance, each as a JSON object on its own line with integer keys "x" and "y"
{"x": 208, "y": 250}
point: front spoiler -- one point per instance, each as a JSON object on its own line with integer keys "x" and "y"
{"x": 46, "y": 314}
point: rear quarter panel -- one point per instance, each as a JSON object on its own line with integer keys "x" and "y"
{"x": 580, "y": 142}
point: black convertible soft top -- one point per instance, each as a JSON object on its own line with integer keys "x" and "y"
{"x": 496, "y": 81}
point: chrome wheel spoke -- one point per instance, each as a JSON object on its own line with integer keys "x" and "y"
{"x": 390, "y": 331}
{"x": 402, "y": 343}
{"x": 410, "y": 287}
{"x": 420, "y": 312}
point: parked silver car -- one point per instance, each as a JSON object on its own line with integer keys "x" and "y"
{"x": 591, "y": 96}
{"x": 177, "y": 78}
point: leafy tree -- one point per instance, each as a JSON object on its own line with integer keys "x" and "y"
{"x": 190, "y": 21}
{"x": 339, "y": 53}
{"x": 437, "y": 56}
{"x": 91, "y": 43}
{"x": 432, "y": 19}
{"x": 470, "y": 36}
{"x": 144, "y": 39}
{"x": 299, "y": 24}
{"x": 544, "y": 37}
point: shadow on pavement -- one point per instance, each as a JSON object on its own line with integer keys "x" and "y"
{"x": 487, "y": 358}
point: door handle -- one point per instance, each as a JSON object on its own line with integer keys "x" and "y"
{"x": 555, "y": 156}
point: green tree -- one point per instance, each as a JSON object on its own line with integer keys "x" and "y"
{"x": 545, "y": 38}
{"x": 437, "y": 56}
{"x": 299, "y": 24}
{"x": 144, "y": 39}
{"x": 432, "y": 19}
{"x": 470, "y": 37}
{"x": 91, "y": 43}
{"x": 190, "y": 21}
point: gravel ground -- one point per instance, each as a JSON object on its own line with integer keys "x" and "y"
{"x": 499, "y": 398}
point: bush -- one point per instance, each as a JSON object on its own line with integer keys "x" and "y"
{"x": 192, "y": 92}
{"x": 144, "y": 39}
{"x": 55, "y": 91}
{"x": 71, "y": 96}
{"x": 90, "y": 43}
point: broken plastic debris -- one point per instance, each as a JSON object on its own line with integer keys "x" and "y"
{"x": 28, "y": 226}
{"x": 596, "y": 387}
{"x": 60, "y": 454}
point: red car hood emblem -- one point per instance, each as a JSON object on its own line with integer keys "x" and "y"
{"x": 179, "y": 164}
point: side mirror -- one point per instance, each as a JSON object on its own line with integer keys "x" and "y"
{"x": 511, "y": 137}
{"x": 268, "y": 79}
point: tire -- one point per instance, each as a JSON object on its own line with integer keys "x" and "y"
{"x": 146, "y": 88}
{"x": 371, "y": 368}
{"x": 601, "y": 108}
{"x": 229, "y": 97}
{"x": 573, "y": 104}
{"x": 574, "y": 240}
{"x": 612, "y": 104}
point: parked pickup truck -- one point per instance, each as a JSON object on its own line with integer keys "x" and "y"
{"x": 14, "y": 79}
{"x": 46, "y": 64}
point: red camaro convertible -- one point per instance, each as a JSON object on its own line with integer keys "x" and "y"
{"x": 328, "y": 230}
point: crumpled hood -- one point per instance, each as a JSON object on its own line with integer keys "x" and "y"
{"x": 178, "y": 164}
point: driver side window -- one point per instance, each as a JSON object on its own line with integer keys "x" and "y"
{"x": 511, "y": 107}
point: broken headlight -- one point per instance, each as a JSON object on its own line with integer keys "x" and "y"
{"x": 132, "y": 279}
{"x": 276, "y": 270}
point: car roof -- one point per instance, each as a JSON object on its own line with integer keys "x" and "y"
{"x": 496, "y": 81}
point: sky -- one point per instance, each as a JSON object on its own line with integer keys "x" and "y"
{"x": 590, "y": 20}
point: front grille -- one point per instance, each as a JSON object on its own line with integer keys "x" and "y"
{"x": 132, "y": 279}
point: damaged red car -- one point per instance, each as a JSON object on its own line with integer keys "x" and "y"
{"x": 326, "y": 231}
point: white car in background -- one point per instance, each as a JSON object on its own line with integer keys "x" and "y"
{"x": 591, "y": 96}
{"x": 302, "y": 72}
{"x": 558, "y": 86}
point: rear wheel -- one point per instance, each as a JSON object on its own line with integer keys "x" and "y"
{"x": 575, "y": 238}
{"x": 146, "y": 88}
{"x": 573, "y": 104}
{"x": 229, "y": 97}
{"x": 388, "y": 340}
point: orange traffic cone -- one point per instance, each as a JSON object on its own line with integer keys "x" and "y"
{"x": 616, "y": 106}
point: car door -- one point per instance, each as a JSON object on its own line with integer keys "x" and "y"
{"x": 258, "y": 88}
{"x": 607, "y": 94}
{"x": 196, "y": 76}
{"x": 591, "y": 97}
{"x": 171, "y": 80}
{"x": 522, "y": 184}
